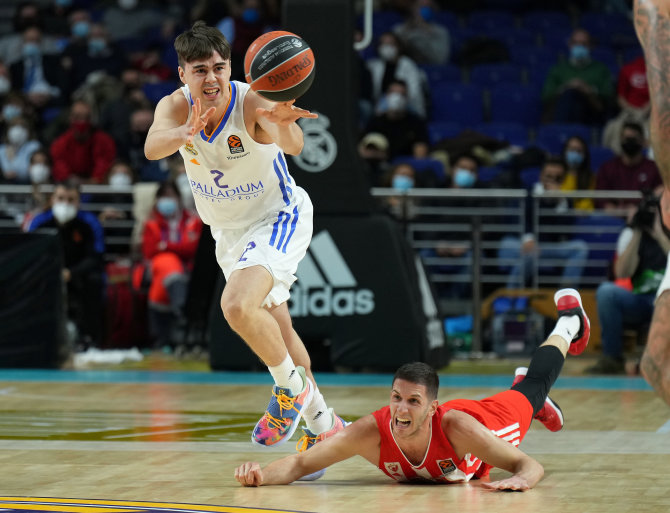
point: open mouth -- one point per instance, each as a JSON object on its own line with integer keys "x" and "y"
{"x": 402, "y": 423}
{"x": 210, "y": 92}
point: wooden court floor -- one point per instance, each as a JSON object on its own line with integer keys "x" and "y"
{"x": 176, "y": 438}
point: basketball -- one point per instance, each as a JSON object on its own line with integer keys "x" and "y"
{"x": 279, "y": 66}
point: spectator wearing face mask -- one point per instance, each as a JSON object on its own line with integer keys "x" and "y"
{"x": 392, "y": 65}
{"x": 131, "y": 19}
{"x": 579, "y": 175}
{"x": 427, "y": 42}
{"x": 40, "y": 174}
{"x": 15, "y": 151}
{"x": 116, "y": 214}
{"x": 629, "y": 171}
{"x": 374, "y": 149}
{"x": 580, "y": 89}
{"x": 38, "y": 75}
{"x": 83, "y": 151}
{"x": 27, "y": 14}
{"x": 401, "y": 178}
{"x": 83, "y": 247}
{"x": 407, "y": 133}
{"x": 558, "y": 246}
{"x": 169, "y": 242}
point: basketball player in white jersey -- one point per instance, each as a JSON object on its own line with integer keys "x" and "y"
{"x": 233, "y": 143}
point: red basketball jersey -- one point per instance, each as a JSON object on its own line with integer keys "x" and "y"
{"x": 507, "y": 414}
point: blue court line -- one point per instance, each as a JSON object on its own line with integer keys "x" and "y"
{"x": 324, "y": 379}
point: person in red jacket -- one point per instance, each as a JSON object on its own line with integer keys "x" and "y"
{"x": 415, "y": 438}
{"x": 169, "y": 242}
{"x": 82, "y": 151}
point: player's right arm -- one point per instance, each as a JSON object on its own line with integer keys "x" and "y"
{"x": 652, "y": 24}
{"x": 172, "y": 126}
{"x": 360, "y": 438}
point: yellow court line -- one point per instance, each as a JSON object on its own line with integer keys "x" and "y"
{"x": 19, "y": 502}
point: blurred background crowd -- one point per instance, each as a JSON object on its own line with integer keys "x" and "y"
{"x": 452, "y": 95}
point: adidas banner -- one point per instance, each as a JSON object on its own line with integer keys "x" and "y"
{"x": 329, "y": 167}
{"x": 362, "y": 302}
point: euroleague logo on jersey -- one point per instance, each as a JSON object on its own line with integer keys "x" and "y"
{"x": 235, "y": 144}
{"x": 446, "y": 466}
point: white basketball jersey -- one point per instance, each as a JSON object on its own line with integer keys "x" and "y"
{"x": 235, "y": 180}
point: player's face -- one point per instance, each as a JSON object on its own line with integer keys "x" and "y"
{"x": 411, "y": 409}
{"x": 207, "y": 79}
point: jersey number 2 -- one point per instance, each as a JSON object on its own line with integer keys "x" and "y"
{"x": 217, "y": 177}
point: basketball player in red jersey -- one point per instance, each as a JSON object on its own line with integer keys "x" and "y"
{"x": 652, "y": 24}
{"x": 417, "y": 439}
{"x": 233, "y": 142}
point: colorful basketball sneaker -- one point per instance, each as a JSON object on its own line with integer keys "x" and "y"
{"x": 569, "y": 302}
{"x": 283, "y": 414}
{"x": 309, "y": 439}
{"x": 551, "y": 414}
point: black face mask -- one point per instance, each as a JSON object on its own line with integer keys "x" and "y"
{"x": 631, "y": 146}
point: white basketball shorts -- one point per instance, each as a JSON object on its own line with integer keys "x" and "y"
{"x": 277, "y": 243}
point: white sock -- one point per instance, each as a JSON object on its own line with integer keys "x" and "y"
{"x": 318, "y": 417}
{"x": 286, "y": 375}
{"x": 665, "y": 282}
{"x": 567, "y": 328}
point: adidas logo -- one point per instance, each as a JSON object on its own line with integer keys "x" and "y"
{"x": 326, "y": 285}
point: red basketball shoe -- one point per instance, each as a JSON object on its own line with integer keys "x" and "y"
{"x": 569, "y": 302}
{"x": 551, "y": 414}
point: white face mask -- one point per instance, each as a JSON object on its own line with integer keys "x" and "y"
{"x": 17, "y": 135}
{"x": 388, "y": 52}
{"x": 127, "y": 4}
{"x": 396, "y": 102}
{"x": 119, "y": 181}
{"x": 39, "y": 173}
{"x": 5, "y": 85}
{"x": 63, "y": 211}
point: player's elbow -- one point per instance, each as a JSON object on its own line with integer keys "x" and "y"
{"x": 294, "y": 148}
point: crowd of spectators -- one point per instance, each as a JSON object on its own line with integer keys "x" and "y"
{"x": 79, "y": 81}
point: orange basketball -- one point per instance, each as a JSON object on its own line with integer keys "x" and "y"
{"x": 279, "y": 66}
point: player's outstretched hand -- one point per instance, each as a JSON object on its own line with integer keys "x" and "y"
{"x": 197, "y": 121}
{"x": 285, "y": 113}
{"x": 249, "y": 474}
{"x": 514, "y": 483}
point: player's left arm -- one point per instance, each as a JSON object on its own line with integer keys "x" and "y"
{"x": 275, "y": 122}
{"x": 469, "y": 436}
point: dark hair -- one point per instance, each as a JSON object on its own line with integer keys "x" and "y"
{"x": 166, "y": 186}
{"x": 632, "y": 125}
{"x": 584, "y": 171}
{"x": 420, "y": 373}
{"x": 70, "y": 184}
{"x": 200, "y": 42}
{"x": 555, "y": 161}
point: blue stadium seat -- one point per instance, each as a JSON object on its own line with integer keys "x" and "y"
{"x": 552, "y": 136}
{"x": 482, "y": 21}
{"x": 447, "y": 19}
{"x": 513, "y": 133}
{"x": 156, "y": 91}
{"x": 631, "y": 53}
{"x": 599, "y": 230}
{"x": 529, "y": 176}
{"x": 429, "y": 171}
{"x": 598, "y": 23}
{"x": 383, "y": 21}
{"x": 514, "y": 38}
{"x": 442, "y": 73}
{"x": 462, "y": 103}
{"x": 533, "y": 57}
{"x": 438, "y": 130}
{"x": 490, "y": 75}
{"x": 599, "y": 154}
{"x": 556, "y": 40}
{"x": 542, "y": 21}
{"x": 516, "y": 103}
{"x": 486, "y": 174}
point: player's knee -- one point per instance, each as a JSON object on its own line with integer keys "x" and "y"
{"x": 235, "y": 311}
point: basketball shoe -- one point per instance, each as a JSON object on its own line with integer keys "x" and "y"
{"x": 551, "y": 414}
{"x": 309, "y": 439}
{"x": 283, "y": 414}
{"x": 569, "y": 302}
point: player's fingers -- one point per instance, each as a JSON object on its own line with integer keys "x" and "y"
{"x": 208, "y": 113}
